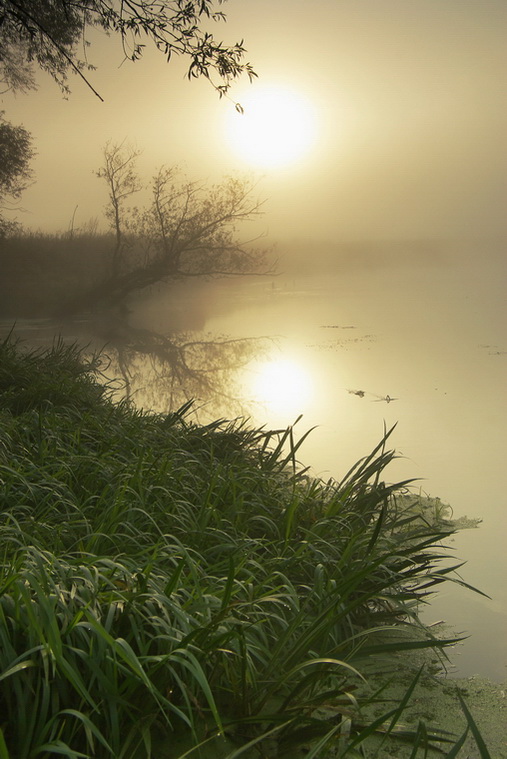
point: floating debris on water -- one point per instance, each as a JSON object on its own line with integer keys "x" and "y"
{"x": 377, "y": 399}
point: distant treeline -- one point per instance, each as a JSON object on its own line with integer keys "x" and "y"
{"x": 41, "y": 272}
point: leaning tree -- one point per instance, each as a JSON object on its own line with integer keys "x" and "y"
{"x": 186, "y": 229}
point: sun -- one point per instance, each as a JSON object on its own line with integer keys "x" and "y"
{"x": 272, "y": 127}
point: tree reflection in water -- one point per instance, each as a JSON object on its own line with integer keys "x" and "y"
{"x": 161, "y": 372}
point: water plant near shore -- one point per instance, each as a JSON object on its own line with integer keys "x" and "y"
{"x": 172, "y": 589}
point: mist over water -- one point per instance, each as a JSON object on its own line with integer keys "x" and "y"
{"x": 355, "y": 340}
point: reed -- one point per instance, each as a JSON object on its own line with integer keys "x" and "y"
{"x": 172, "y": 589}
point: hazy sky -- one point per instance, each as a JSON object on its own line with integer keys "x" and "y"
{"x": 397, "y": 110}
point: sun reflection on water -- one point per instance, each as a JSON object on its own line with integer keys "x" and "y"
{"x": 283, "y": 386}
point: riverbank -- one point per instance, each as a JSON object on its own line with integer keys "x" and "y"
{"x": 487, "y": 702}
{"x": 436, "y": 701}
{"x": 164, "y": 582}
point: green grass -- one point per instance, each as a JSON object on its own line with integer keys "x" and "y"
{"x": 170, "y": 589}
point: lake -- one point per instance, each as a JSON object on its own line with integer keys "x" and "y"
{"x": 409, "y": 340}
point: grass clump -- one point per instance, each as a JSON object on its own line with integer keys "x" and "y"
{"x": 171, "y": 589}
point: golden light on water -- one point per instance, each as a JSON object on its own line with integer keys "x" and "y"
{"x": 277, "y": 127}
{"x": 283, "y": 386}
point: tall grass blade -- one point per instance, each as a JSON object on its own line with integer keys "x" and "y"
{"x": 455, "y": 750}
{"x": 483, "y": 750}
{"x": 4, "y": 751}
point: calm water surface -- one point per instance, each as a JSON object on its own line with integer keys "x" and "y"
{"x": 420, "y": 345}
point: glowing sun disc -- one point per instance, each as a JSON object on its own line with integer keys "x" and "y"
{"x": 277, "y": 127}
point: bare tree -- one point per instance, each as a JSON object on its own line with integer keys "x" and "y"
{"x": 122, "y": 181}
{"x": 187, "y": 230}
{"x": 191, "y": 230}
